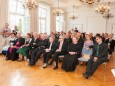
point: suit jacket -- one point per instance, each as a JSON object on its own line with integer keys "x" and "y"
{"x": 53, "y": 47}
{"x": 68, "y": 40}
{"x": 33, "y": 43}
{"x": 42, "y": 44}
{"x": 112, "y": 44}
{"x": 64, "y": 46}
{"x": 102, "y": 52}
{"x": 106, "y": 41}
{"x": 81, "y": 42}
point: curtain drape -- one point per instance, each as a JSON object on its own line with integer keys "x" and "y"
{"x": 34, "y": 20}
{"x": 3, "y": 12}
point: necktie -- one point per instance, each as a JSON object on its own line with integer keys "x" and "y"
{"x": 60, "y": 47}
{"x": 97, "y": 52}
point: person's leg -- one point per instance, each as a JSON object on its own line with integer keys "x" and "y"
{"x": 49, "y": 55}
{"x": 95, "y": 65}
{"x": 89, "y": 66}
{"x": 38, "y": 54}
{"x": 27, "y": 53}
{"x": 21, "y": 57}
{"x": 14, "y": 54}
{"x": 33, "y": 54}
{"x": 44, "y": 56}
{"x": 87, "y": 74}
{"x": 55, "y": 58}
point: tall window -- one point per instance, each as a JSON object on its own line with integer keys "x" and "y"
{"x": 44, "y": 19}
{"x": 60, "y": 24}
{"x": 18, "y": 16}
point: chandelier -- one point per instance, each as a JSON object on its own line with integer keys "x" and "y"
{"x": 58, "y": 11}
{"x": 108, "y": 16}
{"x": 89, "y": 2}
{"x": 30, "y": 4}
{"x": 73, "y": 17}
{"x": 102, "y": 9}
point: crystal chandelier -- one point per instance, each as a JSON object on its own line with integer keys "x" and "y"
{"x": 89, "y": 2}
{"x": 30, "y": 4}
{"x": 103, "y": 9}
{"x": 73, "y": 17}
{"x": 58, "y": 11}
{"x": 108, "y": 15}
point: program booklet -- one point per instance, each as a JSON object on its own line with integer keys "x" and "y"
{"x": 113, "y": 72}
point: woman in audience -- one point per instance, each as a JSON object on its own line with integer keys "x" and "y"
{"x": 87, "y": 50}
{"x": 11, "y": 54}
{"x": 111, "y": 45}
{"x": 71, "y": 59}
{"x": 12, "y": 41}
{"x": 24, "y": 47}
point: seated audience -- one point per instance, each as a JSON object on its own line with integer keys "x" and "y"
{"x": 11, "y": 54}
{"x": 71, "y": 59}
{"x": 35, "y": 55}
{"x": 49, "y": 51}
{"x": 99, "y": 56}
{"x": 22, "y": 50}
{"x": 61, "y": 50}
{"x": 32, "y": 46}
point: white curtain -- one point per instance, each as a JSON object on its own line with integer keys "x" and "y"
{"x": 3, "y": 12}
{"x": 34, "y": 20}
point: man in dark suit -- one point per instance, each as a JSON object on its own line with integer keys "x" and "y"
{"x": 61, "y": 50}
{"x": 99, "y": 56}
{"x": 49, "y": 51}
{"x": 32, "y": 45}
{"x": 35, "y": 55}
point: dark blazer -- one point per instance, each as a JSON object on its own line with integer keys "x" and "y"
{"x": 42, "y": 44}
{"x": 111, "y": 46}
{"x": 81, "y": 42}
{"x": 68, "y": 40}
{"x": 32, "y": 45}
{"x": 53, "y": 47}
{"x": 102, "y": 53}
{"x": 21, "y": 42}
{"x": 64, "y": 46}
{"x": 106, "y": 41}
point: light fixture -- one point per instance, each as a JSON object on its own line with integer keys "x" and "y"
{"x": 103, "y": 9}
{"x": 108, "y": 15}
{"x": 89, "y": 2}
{"x": 73, "y": 17}
{"x": 57, "y": 11}
{"x": 30, "y": 4}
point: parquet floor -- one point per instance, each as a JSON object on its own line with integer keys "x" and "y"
{"x": 19, "y": 74}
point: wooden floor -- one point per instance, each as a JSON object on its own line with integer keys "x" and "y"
{"x": 19, "y": 74}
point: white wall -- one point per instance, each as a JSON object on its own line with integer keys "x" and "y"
{"x": 91, "y": 21}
